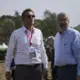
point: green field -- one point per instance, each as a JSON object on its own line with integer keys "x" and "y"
{"x": 2, "y": 71}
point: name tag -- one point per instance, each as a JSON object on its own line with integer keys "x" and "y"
{"x": 32, "y": 55}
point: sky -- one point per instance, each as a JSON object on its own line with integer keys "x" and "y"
{"x": 71, "y": 7}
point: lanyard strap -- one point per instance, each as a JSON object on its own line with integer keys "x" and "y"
{"x": 30, "y": 37}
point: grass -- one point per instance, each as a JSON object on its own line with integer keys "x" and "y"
{"x": 2, "y": 71}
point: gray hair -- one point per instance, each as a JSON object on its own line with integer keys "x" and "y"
{"x": 61, "y": 14}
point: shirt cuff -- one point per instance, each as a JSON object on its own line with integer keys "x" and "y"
{"x": 7, "y": 69}
{"x": 45, "y": 66}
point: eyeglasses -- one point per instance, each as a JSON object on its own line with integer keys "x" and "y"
{"x": 30, "y": 16}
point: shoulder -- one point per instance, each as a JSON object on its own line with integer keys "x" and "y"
{"x": 38, "y": 33}
{"x": 57, "y": 35}
{"x": 38, "y": 30}
{"x": 73, "y": 32}
{"x": 16, "y": 32}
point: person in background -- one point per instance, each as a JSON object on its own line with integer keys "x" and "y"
{"x": 27, "y": 43}
{"x": 67, "y": 50}
{"x": 50, "y": 53}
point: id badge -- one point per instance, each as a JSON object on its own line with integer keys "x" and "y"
{"x": 32, "y": 55}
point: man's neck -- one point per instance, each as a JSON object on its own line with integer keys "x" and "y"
{"x": 62, "y": 31}
{"x": 30, "y": 28}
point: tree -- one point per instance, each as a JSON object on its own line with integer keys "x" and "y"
{"x": 48, "y": 24}
{"x": 7, "y": 26}
{"x": 17, "y": 20}
{"x": 78, "y": 27}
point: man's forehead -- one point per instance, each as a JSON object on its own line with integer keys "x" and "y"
{"x": 29, "y": 13}
{"x": 62, "y": 15}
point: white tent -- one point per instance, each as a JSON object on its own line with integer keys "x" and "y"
{"x": 3, "y": 46}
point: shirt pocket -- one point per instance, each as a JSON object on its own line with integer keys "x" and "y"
{"x": 67, "y": 46}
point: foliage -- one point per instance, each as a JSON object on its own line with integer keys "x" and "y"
{"x": 48, "y": 24}
{"x": 78, "y": 28}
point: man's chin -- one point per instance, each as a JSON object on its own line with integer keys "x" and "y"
{"x": 62, "y": 30}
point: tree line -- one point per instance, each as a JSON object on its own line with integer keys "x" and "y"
{"x": 47, "y": 25}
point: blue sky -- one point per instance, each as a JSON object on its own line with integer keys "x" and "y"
{"x": 71, "y": 7}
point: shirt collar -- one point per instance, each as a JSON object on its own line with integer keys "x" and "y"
{"x": 24, "y": 28}
{"x": 64, "y": 31}
{"x": 27, "y": 29}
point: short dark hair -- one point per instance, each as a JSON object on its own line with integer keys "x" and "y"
{"x": 26, "y": 10}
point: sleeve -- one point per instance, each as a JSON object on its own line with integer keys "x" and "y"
{"x": 76, "y": 50}
{"x": 10, "y": 52}
{"x": 44, "y": 55}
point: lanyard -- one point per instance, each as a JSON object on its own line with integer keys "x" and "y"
{"x": 29, "y": 36}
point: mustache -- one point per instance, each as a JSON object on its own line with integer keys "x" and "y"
{"x": 63, "y": 24}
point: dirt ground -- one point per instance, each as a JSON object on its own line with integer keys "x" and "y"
{"x": 2, "y": 71}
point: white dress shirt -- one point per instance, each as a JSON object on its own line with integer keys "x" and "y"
{"x": 19, "y": 45}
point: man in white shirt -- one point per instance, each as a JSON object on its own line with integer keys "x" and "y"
{"x": 27, "y": 44}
